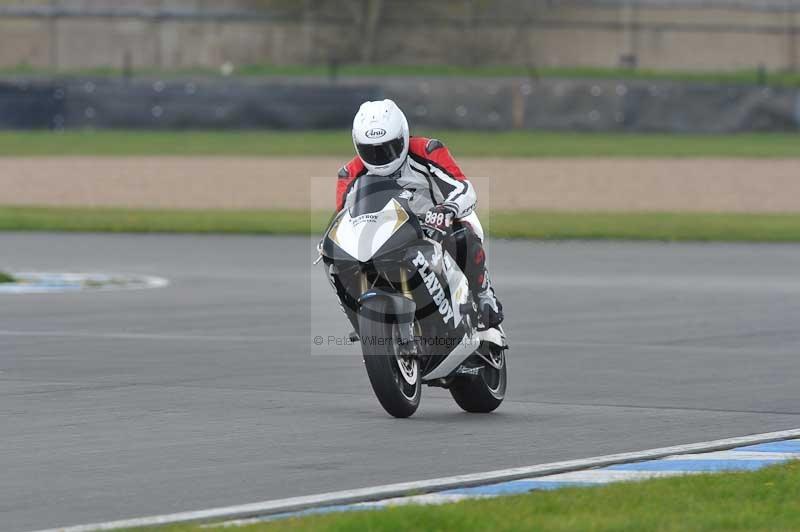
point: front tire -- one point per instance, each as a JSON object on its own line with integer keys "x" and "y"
{"x": 396, "y": 380}
{"x": 484, "y": 392}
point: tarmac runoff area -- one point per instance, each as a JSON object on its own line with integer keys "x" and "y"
{"x": 208, "y": 392}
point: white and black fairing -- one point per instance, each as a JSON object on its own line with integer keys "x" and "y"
{"x": 378, "y": 222}
{"x": 377, "y": 248}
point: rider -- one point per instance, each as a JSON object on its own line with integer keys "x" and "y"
{"x": 441, "y": 192}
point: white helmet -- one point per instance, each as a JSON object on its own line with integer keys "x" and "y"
{"x": 380, "y": 135}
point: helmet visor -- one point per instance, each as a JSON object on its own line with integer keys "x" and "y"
{"x": 381, "y": 154}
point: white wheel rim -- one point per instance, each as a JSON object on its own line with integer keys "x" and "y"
{"x": 408, "y": 372}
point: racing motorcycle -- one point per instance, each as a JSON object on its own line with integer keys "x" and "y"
{"x": 405, "y": 293}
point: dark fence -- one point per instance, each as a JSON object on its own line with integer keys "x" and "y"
{"x": 26, "y": 106}
{"x": 585, "y": 105}
{"x": 493, "y": 104}
{"x": 159, "y": 104}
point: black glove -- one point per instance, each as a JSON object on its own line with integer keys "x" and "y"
{"x": 439, "y": 221}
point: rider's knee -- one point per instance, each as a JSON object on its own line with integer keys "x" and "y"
{"x": 474, "y": 224}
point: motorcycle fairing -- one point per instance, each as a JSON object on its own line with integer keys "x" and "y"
{"x": 362, "y": 236}
{"x": 459, "y": 287}
{"x": 462, "y": 351}
{"x": 449, "y": 279}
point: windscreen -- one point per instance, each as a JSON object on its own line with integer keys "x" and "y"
{"x": 372, "y": 193}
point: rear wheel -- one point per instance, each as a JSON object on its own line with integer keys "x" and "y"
{"x": 395, "y": 379}
{"x": 484, "y": 392}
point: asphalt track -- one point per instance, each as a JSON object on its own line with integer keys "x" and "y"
{"x": 208, "y": 392}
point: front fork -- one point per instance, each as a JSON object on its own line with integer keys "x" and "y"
{"x": 402, "y": 303}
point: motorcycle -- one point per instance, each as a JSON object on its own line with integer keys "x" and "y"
{"x": 407, "y": 297}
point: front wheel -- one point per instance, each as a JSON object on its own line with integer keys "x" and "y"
{"x": 484, "y": 392}
{"x": 395, "y": 379}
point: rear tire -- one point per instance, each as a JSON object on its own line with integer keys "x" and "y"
{"x": 396, "y": 381}
{"x": 485, "y": 392}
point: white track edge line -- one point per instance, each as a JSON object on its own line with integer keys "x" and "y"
{"x": 333, "y": 498}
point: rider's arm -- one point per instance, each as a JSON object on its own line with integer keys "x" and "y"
{"x": 459, "y": 194}
{"x": 347, "y": 175}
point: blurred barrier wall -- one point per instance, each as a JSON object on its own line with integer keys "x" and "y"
{"x": 157, "y": 104}
{"x": 492, "y": 104}
{"x": 587, "y": 105}
{"x": 169, "y": 34}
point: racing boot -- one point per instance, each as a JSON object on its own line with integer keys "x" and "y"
{"x": 490, "y": 310}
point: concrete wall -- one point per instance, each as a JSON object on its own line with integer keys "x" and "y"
{"x": 690, "y": 39}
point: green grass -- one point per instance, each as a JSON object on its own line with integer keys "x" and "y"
{"x": 685, "y": 226}
{"x": 525, "y": 224}
{"x": 6, "y": 278}
{"x": 737, "y": 77}
{"x": 113, "y": 220}
{"x": 768, "y": 499}
{"x": 338, "y": 143}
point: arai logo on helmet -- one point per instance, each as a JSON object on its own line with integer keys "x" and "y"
{"x": 375, "y": 133}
